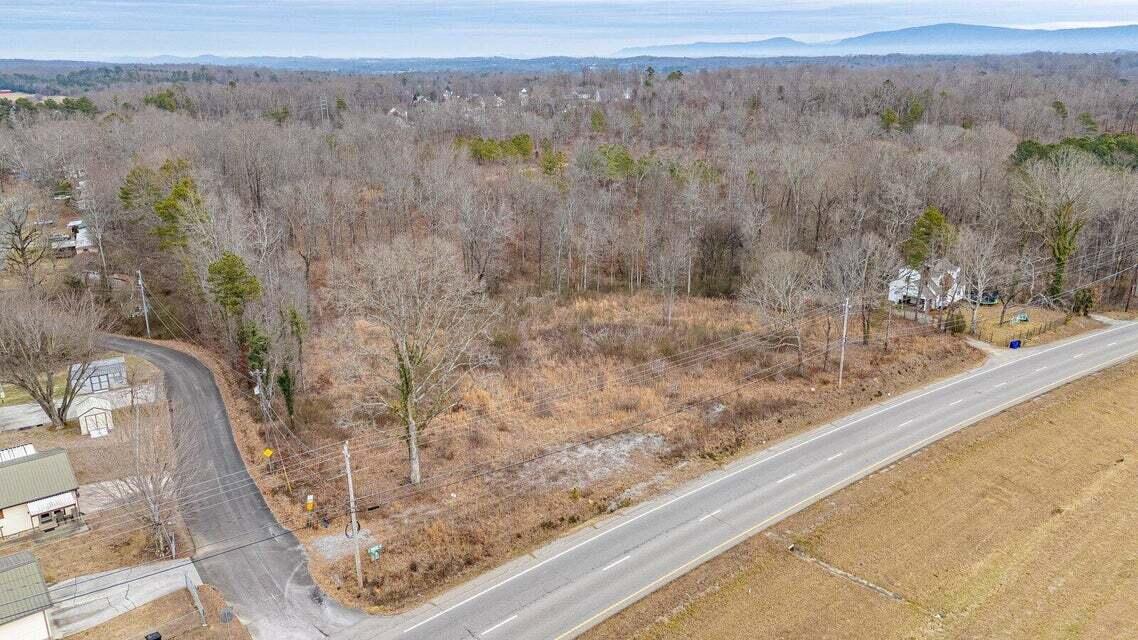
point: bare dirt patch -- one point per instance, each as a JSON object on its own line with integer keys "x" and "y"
{"x": 467, "y": 522}
{"x": 1020, "y": 526}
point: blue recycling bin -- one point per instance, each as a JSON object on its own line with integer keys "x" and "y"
{"x": 1015, "y": 344}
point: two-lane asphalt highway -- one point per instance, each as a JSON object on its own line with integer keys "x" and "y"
{"x": 565, "y": 588}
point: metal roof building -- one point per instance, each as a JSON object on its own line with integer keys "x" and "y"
{"x": 101, "y": 375}
{"x": 22, "y": 584}
{"x": 39, "y": 475}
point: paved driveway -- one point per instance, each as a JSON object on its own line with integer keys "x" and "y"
{"x": 267, "y": 583}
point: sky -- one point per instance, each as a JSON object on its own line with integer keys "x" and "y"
{"x": 113, "y": 29}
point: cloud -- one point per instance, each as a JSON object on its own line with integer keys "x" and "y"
{"x": 93, "y": 29}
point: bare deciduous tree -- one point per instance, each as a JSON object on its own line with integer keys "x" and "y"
{"x": 846, "y": 274}
{"x": 25, "y": 246}
{"x": 428, "y": 315}
{"x": 157, "y": 454}
{"x": 47, "y": 346}
{"x": 779, "y": 290}
{"x": 1058, "y": 196}
{"x": 483, "y": 224}
{"x": 981, "y": 266}
{"x": 665, "y": 268}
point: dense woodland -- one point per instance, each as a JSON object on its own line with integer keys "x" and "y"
{"x": 246, "y": 198}
{"x": 391, "y": 231}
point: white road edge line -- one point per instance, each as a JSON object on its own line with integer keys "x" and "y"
{"x": 748, "y": 467}
{"x": 782, "y": 480}
{"x": 727, "y": 544}
{"x": 510, "y": 619}
{"x": 835, "y": 456}
{"x": 613, "y": 564}
{"x": 706, "y": 516}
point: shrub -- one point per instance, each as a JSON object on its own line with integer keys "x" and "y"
{"x": 956, "y": 324}
{"x": 1083, "y": 302}
{"x": 505, "y": 340}
{"x": 168, "y": 100}
{"x": 487, "y": 150}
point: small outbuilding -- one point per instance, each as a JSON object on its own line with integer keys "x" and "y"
{"x": 94, "y": 414}
{"x": 102, "y": 375}
{"x": 38, "y": 491}
{"x": 81, "y": 237}
{"x": 26, "y": 601}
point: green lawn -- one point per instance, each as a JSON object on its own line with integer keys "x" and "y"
{"x": 14, "y": 395}
{"x": 142, "y": 370}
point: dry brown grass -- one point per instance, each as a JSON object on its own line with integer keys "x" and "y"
{"x": 439, "y": 537}
{"x": 173, "y": 615}
{"x": 62, "y": 558}
{"x": 1020, "y": 526}
{"x": 88, "y": 455}
{"x": 1043, "y": 325}
{"x": 110, "y": 541}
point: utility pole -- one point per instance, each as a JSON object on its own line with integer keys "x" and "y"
{"x": 1133, "y": 285}
{"x": 352, "y": 507}
{"x": 145, "y": 306}
{"x": 842, "y": 358}
{"x": 325, "y": 115}
{"x": 261, "y": 390}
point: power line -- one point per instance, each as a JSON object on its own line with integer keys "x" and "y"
{"x": 748, "y": 380}
{"x": 378, "y": 440}
{"x": 337, "y": 514}
{"x": 246, "y": 482}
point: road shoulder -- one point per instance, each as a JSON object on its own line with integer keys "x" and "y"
{"x": 1024, "y": 508}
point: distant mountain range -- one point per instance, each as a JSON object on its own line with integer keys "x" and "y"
{"x": 871, "y": 49}
{"x": 555, "y": 64}
{"x": 938, "y": 39}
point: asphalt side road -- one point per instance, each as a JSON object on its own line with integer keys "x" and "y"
{"x": 267, "y": 582}
{"x": 565, "y": 588}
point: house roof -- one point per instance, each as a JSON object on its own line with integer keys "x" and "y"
{"x": 39, "y": 475}
{"x": 84, "y": 405}
{"x": 22, "y": 585}
{"x": 18, "y": 451}
{"x": 108, "y": 364}
{"x": 112, "y": 366}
